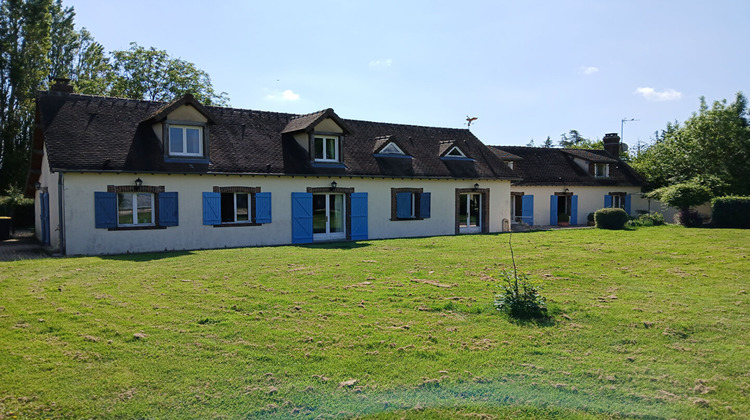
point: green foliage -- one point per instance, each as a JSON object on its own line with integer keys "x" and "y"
{"x": 647, "y": 220}
{"x": 682, "y": 196}
{"x": 611, "y": 218}
{"x": 574, "y": 140}
{"x": 563, "y": 218}
{"x": 711, "y": 148}
{"x": 731, "y": 212}
{"x": 520, "y": 297}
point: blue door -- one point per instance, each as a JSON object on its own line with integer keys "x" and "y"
{"x": 44, "y": 214}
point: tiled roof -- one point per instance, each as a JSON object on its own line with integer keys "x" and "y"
{"x": 89, "y": 133}
{"x": 502, "y": 154}
{"x": 553, "y": 166}
{"x": 596, "y": 156}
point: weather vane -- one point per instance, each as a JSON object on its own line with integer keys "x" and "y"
{"x": 470, "y": 120}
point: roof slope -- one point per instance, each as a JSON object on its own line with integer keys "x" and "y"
{"x": 89, "y": 133}
{"x": 552, "y": 166}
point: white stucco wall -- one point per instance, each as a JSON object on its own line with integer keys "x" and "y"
{"x": 49, "y": 181}
{"x": 83, "y": 238}
{"x": 590, "y": 199}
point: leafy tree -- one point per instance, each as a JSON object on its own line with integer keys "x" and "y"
{"x": 151, "y": 74}
{"x": 684, "y": 196}
{"x": 24, "y": 66}
{"x": 711, "y": 148}
{"x": 574, "y": 140}
{"x": 548, "y": 143}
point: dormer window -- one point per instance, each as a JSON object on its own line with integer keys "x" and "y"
{"x": 509, "y": 163}
{"x": 326, "y": 149}
{"x": 455, "y": 152}
{"x": 392, "y": 149}
{"x": 601, "y": 170}
{"x": 185, "y": 141}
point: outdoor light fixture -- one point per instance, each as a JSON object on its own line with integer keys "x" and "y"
{"x": 476, "y": 187}
{"x": 138, "y": 183}
{"x": 333, "y": 185}
{"x": 567, "y": 190}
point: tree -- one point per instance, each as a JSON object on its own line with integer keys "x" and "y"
{"x": 574, "y": 140}
{"x": 684, "y": 196}
{"x": 24, "y": 66}
{"x": 711, "y": 148}
{"x": 151, "y": 74}
{"x": 548, "y": 143}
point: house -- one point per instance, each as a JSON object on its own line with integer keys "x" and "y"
{"x": 574, "y": 182}
{"x": 114, "y": 175}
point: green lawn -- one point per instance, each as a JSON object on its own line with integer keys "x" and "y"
{"x": 651, "y": 323}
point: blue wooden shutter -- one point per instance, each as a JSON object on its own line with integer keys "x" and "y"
{"x": 358, "y": 216}
{"x": 574, "y": 210}
{"x": 607, "y": 201}
{"x": 168, "y": 212}
{"x": 527, "y": 209}
{"x": 403, "y": 205}
{"x": 425, "y": 205}
{"x": 302, "y": 218}
{"x": 263, "y": 207}
{"x": 105, "y": 210}
{"x": 628, "y": 198}
{"x": 211, "y": 208}
{"x": 553, "y": 210}
{"x": 44, "y": 213}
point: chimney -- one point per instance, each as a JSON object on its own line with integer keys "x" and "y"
{"x": 612, "y": 144}
{"x": 61, "y": 85}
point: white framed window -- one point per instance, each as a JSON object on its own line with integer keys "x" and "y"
{"x": 601, "y": 170}
{"x": 135, "y": 209}
{"x": 185, "y": 140}
{"x": 618, "y": 200}
{"x": 326, "y": 148}
{"x": 509, "y": 163}
{"x": 455, "y": 152}
{"x": 392, "y": 149}
{"x": 235, "y": 207}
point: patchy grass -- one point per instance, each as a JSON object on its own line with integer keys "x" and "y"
{"x": 651, "y": 323}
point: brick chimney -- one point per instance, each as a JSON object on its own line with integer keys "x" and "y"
{"x": 61, "y": 85}
{"x": 612, "y": 144}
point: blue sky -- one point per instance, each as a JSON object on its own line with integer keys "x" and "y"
{"x": 526, "y": 70}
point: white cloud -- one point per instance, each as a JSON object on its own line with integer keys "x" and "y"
{"x": 588, "y": 71}
{"x": 381, "y": 63}
{"x": 652, "y": 95}
{"x": 286, "y": 95}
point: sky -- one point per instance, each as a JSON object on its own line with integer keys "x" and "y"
{"x": 525, "y": 70}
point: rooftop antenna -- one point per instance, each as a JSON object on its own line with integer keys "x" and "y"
{"x": 622, "y": 125}
{"x": 470, "y": 120}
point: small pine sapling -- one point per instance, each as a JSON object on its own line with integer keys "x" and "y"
{"x": 520, "y": 297}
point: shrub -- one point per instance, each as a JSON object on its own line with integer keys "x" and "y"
{"x": 689, "y": 218}
{"x": 590, "y": 218}
{"x": 563, "y": 217}
{"x": 647, "y": 219}
{"x": 520, "y": 297}
{"x": 683, "y": 195}
{"x": 611, "y": 218}
{"x": 731, "y": 212}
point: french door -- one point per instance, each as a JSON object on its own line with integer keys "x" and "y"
{"x": 329, "y": 216}
{"x": 470, "y": 213}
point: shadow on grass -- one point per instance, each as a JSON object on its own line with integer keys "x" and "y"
{"x": 335, "y": 245}
{"x": 151, "y": 256}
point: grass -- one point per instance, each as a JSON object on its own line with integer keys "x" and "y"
{"x": 649, "y": 323}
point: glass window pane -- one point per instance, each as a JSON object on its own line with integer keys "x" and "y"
{"x": 331, "y": 149}
{"x": 193, "y": 140}
{"x": 474, "y": 210}
{"x": 175, "y": 140}
{"x": 242, "y": 207}
{"x": 319, "y": 213}
{"x": 337, "y": 213}
{"x": 124, "y": 209}
{"x": 144, "y": 209}
{"x": 318, "y": 148}
{"x": 227, "y": 207}
{"x": 462, "y": 210}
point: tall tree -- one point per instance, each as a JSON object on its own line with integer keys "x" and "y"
{"x": 151, "y": 74}
{"x": 711, "y": 148}
{"x": 24, "y": 66}
{"x": 574, "y": 140}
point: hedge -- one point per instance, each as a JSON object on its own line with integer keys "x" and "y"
{"x": 614, "y": 218}
{"x": 731, "y": 212}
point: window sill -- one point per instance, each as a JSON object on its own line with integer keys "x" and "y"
{"x": 239, "y": 224}
{"x": 186, "y": 159}
{"x": 327, "y": 164}
{"x": 150, "y": 227}
{"x": 406, "y": 219}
